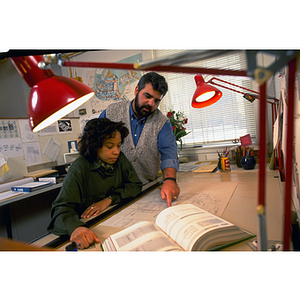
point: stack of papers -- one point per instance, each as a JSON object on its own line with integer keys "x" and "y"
{"x": 207, "y": 167}
{"x": 204, "y": 167}
{"x": 9, "y": 194}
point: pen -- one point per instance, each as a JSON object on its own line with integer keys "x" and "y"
{"x": 99, "y": 246}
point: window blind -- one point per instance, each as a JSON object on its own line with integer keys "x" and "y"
{"x": 226, "y": 120}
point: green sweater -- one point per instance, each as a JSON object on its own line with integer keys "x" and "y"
{"x": 87, "y": 183}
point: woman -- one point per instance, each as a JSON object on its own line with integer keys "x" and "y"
{"x": 100, "y": 177}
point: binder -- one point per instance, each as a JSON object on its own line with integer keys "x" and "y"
{"x": 31, "y": 186}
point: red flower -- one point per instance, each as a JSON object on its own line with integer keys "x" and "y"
{"x": 170, "y": 114}
{"x": 173, "y": 128}
{"x": 186, "y": 120}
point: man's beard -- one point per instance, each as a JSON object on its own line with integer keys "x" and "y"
{"x": 139, "y": 109}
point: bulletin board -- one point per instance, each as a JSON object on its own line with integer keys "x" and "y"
{"x": 24, "y": 148}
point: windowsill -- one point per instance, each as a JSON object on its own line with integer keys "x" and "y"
{"x": 208, "y": 152}
{"x": 214, "y": 146}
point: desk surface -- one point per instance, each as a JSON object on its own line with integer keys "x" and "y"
{"x": 240, "y": 208}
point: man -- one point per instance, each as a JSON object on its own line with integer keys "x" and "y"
{"x": 151, "y": 145}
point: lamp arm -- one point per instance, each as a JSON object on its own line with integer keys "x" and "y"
{"x": 256, "y": 95}
{"x": 136, "y": 66}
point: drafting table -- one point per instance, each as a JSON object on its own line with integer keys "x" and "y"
{"x": 232, "y": 196}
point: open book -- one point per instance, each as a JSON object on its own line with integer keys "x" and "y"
{"x": 182, "y": 227}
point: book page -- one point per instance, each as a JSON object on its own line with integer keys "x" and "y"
{"x": 145, "y": 209}
{"x": 143, "y": 236}
{"x": 186, "y": 223}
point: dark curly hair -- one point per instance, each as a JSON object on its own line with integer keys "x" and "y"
{"x": 158, "y": 82}
{"x": 95, "y": 132}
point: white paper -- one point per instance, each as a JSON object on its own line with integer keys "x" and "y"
{"x": 83, "y": 120}
{"x": 32, "y": 152}
{"x": 276, "y": 133}
{"x": 11, "y": 147}
{"x": 213, "y": 198}
{"x": 7, "y": 185}
{"x": 49, "y": 130}
{"x": 26, "y": 133}
{"x": 52, "y": 148}
{"x": 9, "y": 194}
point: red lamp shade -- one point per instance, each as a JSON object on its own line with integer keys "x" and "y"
{"x": 51, "y": 97}
{"x": 205, "y": 94}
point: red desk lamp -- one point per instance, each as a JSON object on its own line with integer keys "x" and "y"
{"x": 205, "y": 94}
{"x": 51, "y": 97}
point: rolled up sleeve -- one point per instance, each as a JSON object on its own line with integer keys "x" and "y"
{"x": 167, "y": 147}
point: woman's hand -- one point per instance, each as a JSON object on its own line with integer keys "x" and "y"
{"x": 96, "y": 208}
{"x": 83, "y": 237}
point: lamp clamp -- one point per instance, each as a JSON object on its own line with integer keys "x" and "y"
{"x": 261, "y": 75}
{"x": 50, "y": 58}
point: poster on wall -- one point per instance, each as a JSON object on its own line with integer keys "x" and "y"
{"x": 83, "y": 120}
{"x": 26, "y": 133}
{"x": 32, "y": 152}
{"x": 9, "y": 129}
{"x": 111, "y": 85}
{"x": 11, "y": 147}
{"x": 52, "y": 148}
{"x": 64, "y": 126}
{"x": 49, "y": 130}
{"x": 10, "y": 138}
{"x": 116, "y": 85}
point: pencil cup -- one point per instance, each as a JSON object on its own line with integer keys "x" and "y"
{"x": 224, "y": 164}
{"x": 248, "y": 162}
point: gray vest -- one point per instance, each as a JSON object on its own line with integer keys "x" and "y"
{"x": 145, "y": 157}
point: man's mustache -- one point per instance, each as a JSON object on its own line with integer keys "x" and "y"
{"x": 146, "y": 106}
